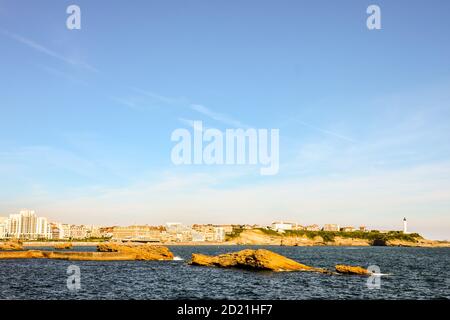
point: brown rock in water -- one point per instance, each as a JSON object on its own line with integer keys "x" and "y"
{"x": 260, "y": 259}
{"x": 27, "y": 254}
{"x": 11, "y": 245}
{"x": 107, "y": 253}
{"x": 87, "y": 256}
{"x": 141, "y": 252}
{"x": 63, "y": 246}
{"x": 340, "y": 268}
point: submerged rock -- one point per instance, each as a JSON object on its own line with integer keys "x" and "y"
{"x": 340, "y": 268}
{"x": 63, "y": 246}
{"x": 260, "y": 259}
{"x": 11, "y": 245}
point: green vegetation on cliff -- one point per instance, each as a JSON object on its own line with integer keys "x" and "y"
{"x": 376, "y": 237}
{"x": 236, "y": 232}
{"x": 269, "y": 232}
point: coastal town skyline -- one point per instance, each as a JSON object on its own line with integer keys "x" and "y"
{"x": 28, "y": 225}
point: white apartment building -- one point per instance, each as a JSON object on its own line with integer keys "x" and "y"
{"x": 219, "y": 234}
{"x": 26, "y": 225}
{"x": 3, "y": 227}
{"x": 23, "y": 225}
{"x": 93, "y": 231}
{"x": 78, "y": 232}
{"x": 282, "y": 225}
{"x": 198, "y": 236}
{"x": 13, "y": 226}
{"x": 43, "y": 228}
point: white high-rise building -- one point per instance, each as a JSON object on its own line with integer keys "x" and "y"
{"x": 26, "y": 225}
{"x": 3, "y": 221}
{"x": 43, "y": 229}
{"x": 13, "y": 225}
{"x": 22, "y": 225}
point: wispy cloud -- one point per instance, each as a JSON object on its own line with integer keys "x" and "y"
{"x": 328, "y": 132}
{"x": 49, "y": 157}
{"x": 184, "y": 102}
{"x": 225, "y": 119}
{"x": 190, "y": 123}
{"x": 187, "y": 122}
{"x": 158, "y": 97}
{"x": 36, "y": 163}
{"x": 42, "y": 49}
{"x": 59, "y": 73}
{"x": 125, "y": 102}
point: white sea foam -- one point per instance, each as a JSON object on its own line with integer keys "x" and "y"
{"x": 177, "y": 258}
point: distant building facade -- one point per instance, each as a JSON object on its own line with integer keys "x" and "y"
{"x": 137, "y": 233}
{"x": 209, "y": 232}
{"x": 283, "y": 225}
{"x": 26, "y": 225}
{"x": 331, "y": 227}
{"x": 3, "y": 227}
{"x": 313, "y": 227}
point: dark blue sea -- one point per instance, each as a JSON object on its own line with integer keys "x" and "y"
{"x": 410, "y": 273}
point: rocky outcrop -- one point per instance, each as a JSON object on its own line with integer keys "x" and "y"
{"x": 340, "y": 268}
{"x": 266, "y": 260}
{"x": 63, "y": 246}
{"x": 379, "y": 243}
{"x": 259, "y": 237}
{"x": 260, "y": 259}
{"x": 90, "y": 256}
{"x": 27, "y": 254}
{"x": 423, "y": 243}
{"x": 140, "y": 251}
{"x": 107, "y": 253}
{"x": 11, "y": 245}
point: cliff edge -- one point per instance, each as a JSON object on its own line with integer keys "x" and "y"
{"x": 324, "y": 238}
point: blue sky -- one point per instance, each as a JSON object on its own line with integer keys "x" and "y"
{"x": 86, "y": 115}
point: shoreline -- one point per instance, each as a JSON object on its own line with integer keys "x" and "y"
{"x": 231, "y": 243}
{"x": 94, "y": 244}
{"x": 262, "y": 237}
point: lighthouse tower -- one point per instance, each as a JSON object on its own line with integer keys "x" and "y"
{"x": 405, "y": 226}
